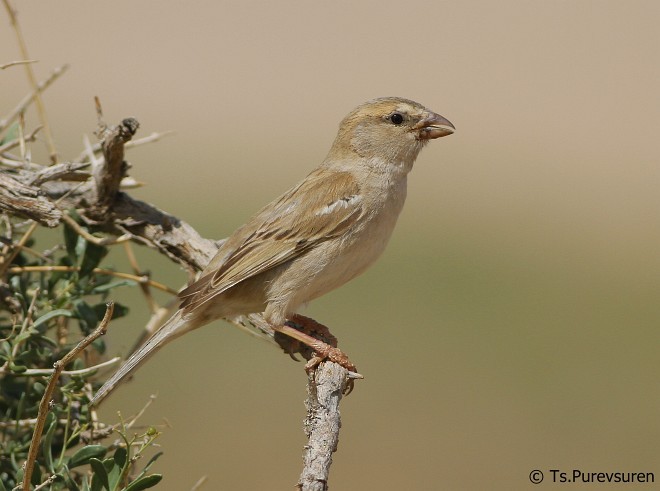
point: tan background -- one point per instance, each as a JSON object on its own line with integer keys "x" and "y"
{"x": 512, "y": 323}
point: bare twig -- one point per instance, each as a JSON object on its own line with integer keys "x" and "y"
{"x": 27, "y": 100}
{"x": 7, "y": 260}
{"x": 33, "y": 372}
{"x": 154, "y": 137}
{"x": 41, "y": 109}
{"x": 68, "y": 171}
{"x": 109, "y": 272}
{"x": 23, "y": 423}
{"x": 15, "y": 163}
{"x": 133, "y": 419}
{"x": 21, "y": 137}
{"x": 325, "y": 388}
{"x": 18, "y": 62}
{"x": 200, "y": 482}
{"x": 47, "y": 482}
{"x": 50, "y": 388}
{"x": 132, "y": 260}
{"x": 99, "y": 241}
{"x": 27, "y": 321}
{"x": 91, "y": 150}
{"x": 18, "y": 141}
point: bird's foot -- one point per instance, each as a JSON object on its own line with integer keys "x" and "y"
{"x": 307, "y": 333}
{"x": 335, "y": 355}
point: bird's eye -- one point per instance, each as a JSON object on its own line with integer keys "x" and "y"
{"x": 396, "y": 118}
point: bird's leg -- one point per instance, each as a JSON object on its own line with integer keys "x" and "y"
{"x": 313, "y": 328}
{"x": 298, "y": 328}
{"x": 307, "y": 325}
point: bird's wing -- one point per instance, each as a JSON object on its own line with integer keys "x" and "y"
{"x": 318, "y": 209}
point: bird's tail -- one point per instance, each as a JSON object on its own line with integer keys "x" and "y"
{"x": 176, "y": 326}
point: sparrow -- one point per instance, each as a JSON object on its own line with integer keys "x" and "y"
{"x": 318, "y": 235}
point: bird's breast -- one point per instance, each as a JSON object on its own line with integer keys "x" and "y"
{"x": 341, "y": 259}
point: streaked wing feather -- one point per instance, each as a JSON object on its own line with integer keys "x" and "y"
{"x": 295, "y": 223}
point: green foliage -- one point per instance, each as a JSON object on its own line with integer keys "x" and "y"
{"x": 44, "y": 312}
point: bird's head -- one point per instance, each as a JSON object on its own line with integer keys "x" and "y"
{"x": 390, "y": 129}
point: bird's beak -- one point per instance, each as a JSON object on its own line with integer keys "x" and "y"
{"x": 434, "y": 126}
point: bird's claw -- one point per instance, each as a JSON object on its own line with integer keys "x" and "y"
{"x": 337, "y": 356}
{"x": 320, "y": 346}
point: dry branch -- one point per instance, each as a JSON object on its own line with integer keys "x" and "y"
{"x": 325, "y": 388}
{"x": 44, "y": 405}
{"x": 108, "y": 176}
{"x": 25, "y": 201}
{"x": 42, "y": 193}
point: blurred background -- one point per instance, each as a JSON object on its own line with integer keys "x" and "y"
{"x": 513, "y": 322}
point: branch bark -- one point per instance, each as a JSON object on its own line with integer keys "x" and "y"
{"x": 325, "y": 388}
{"x": 109, "y": 174}
{"x": 42, "y": 193}
{"x": 25, "y": 201}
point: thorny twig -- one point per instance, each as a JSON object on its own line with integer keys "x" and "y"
{"x": 41, "y": 109}
{"x": 50, "y": 388}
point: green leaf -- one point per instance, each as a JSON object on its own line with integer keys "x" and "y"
{"x": 70, "y": 241}
{"x": 12, "y": 133}
{"x": 114, "y": 473}
{"x": 83, "y": 456}
{"x": 2, "y": 487}
{"x": 100, "y": 477}
{"x": 120, "y": 458}
{"x": 99, "y": 345}
{"x": 144, "y": 482}
{"x": 150, "y": 463}
{"x": 81, "y": 247}
{"x": 87, "y": 316}
{"x": 119, "y": 310}
{"x": 20, "y": 408}
{"x": 5, "y": 347}
{"x": 114, "y": 284}
{"x": 38, "y": 388}
{"x": 52, "y": 314}
{"x": 47, "y": 445}
{"x": 36, "y": 475}
{"x": 92, "y": 257}
{"x": 20, "y": 472}
{"x": 22, "y": 336}
{"x": 57, "y": 276}
{"x": 71, "y": 485}
{"x": 17, "y": 368}
{"x": 45, "y": 340}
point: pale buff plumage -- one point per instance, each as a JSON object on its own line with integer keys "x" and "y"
{"x": 320, "y": 234}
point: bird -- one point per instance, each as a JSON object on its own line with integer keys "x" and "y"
{"x": 318, "y": 235}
